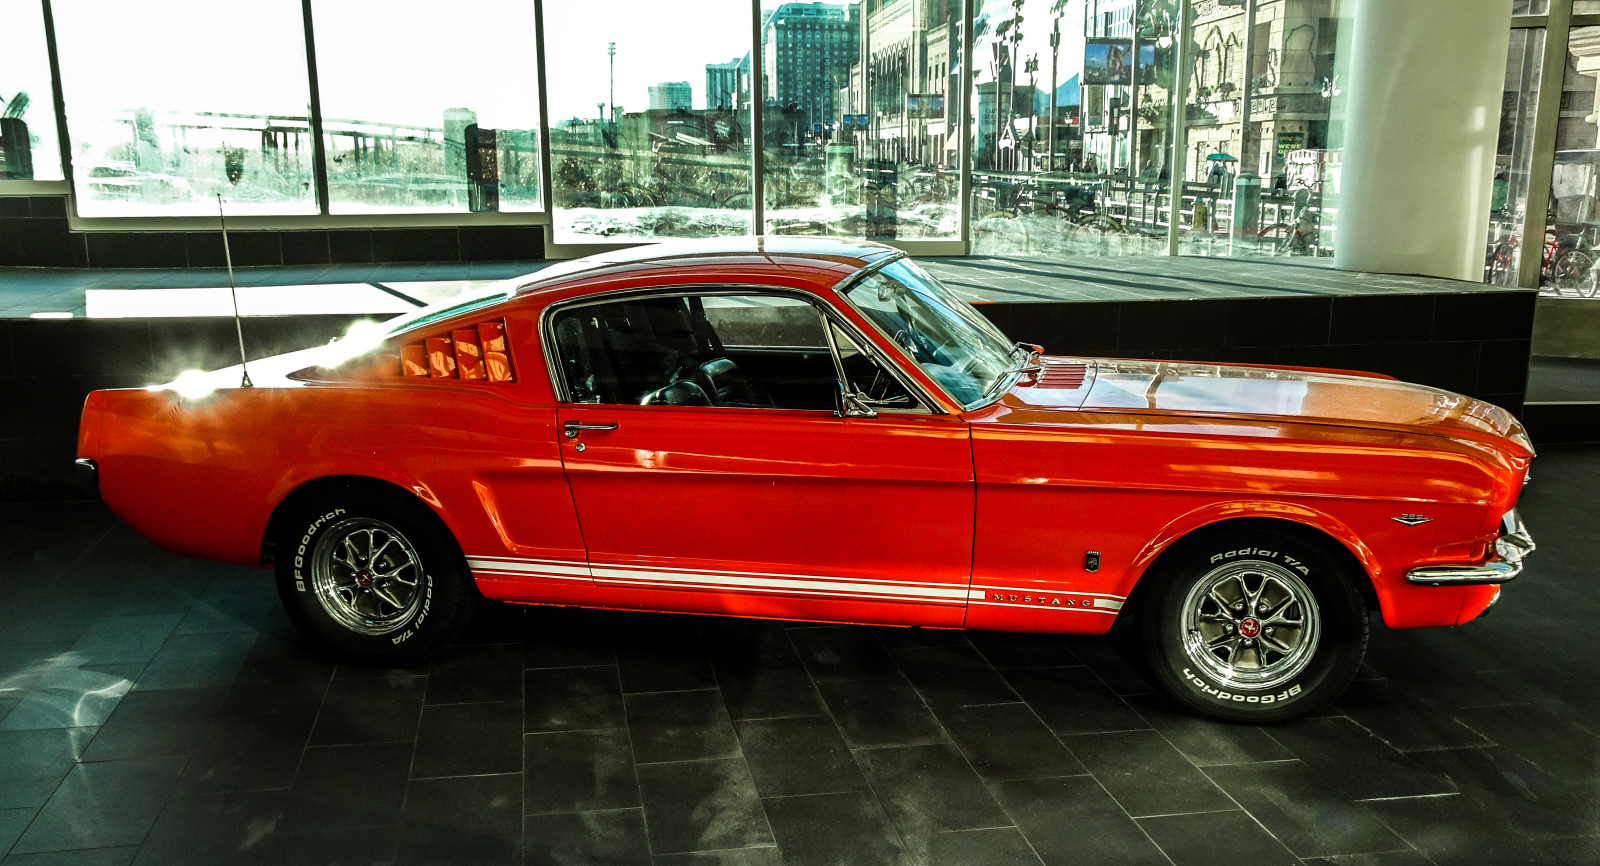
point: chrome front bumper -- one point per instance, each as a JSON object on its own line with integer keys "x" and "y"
{"x": 1513, "y": 545}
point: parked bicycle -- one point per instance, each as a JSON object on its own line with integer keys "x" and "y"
{"x": 1565, "y": 265}
{"x": 1299, "y": 236}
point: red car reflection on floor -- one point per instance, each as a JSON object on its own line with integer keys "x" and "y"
{"x": 818, "y": 430}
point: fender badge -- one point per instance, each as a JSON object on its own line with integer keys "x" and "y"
{"x": 1411, "y": 519}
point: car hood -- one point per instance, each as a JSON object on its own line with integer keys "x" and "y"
{"x": 1305, "y": 395}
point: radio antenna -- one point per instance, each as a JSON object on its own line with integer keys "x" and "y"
{"x": 238, "y": 323}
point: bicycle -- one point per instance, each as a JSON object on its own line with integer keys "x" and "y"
{"x": 1299, "y": 237}
{"x": 1564, "y": 265}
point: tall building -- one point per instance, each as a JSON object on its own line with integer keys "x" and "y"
{"x": 806, "y": 53}
{"x": 728, "y": 84}
{"x": 671, "y": 94}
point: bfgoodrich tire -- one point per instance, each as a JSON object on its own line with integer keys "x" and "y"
{"x": 1254, "y": 626}
{"x": 372, "y": 578}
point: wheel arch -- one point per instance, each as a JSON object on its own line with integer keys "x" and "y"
{"x": 312, "y": 489}
{"x": 1324, "y": 532}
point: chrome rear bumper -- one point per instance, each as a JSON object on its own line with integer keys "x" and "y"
{"x": 1513, "y": 545}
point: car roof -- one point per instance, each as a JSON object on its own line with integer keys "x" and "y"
{"x": 814, "y": 259}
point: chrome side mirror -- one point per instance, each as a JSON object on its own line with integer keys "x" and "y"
{"x": 849, "y": 405}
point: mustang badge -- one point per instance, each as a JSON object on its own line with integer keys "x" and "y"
{"x": 1411, "y": 519}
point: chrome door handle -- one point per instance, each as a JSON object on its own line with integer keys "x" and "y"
{"x": 571, "y": 428}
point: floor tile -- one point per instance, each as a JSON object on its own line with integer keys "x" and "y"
{"x": 469, "y": 740}
{"x": 726, "y": 857}
{"x": 1001, "y": 846}
{"x": 1406, "y": 722}
{"x": 1350, "y": 758}
{"x": 119, "y": 856}
{"x": 349, "y": 786}
{"x": 1007, "y": 741}
{"x": 578, "y": 771}
{"x": 1216, "y": 839}
{"x": 874, "y": 713}
{"x": 1550, "y": 743}
{"x": 1146, "y": 775}
{"x": 12, "y": 823}
{"x": 1453, "y": 830}
{"x": 371, "y": 710}
{"x": 246, "y": 753}
{"x": 278, "y": 685}
{"x": 102, "y": 805}
{"x": 1533, "y": 802}
{"x": 567, "y": 637}
{"x": 221, "y": 610}
{"x": 830, "y": 829}
{"x": 953, "y": 676}
{"x": 232, "y": 828}
{"x": 473, "y": 674}
{"x": 842, "y": 653}
{"x": 1074, "y": 701}
{"x": 166, "y": 722}
{"x": 702, "y": 806}
{"x": 767, "y": 688}
{"x": 801, "y": 755}
{"x": 33, "y": 763}
{"x": 680, "y": 726}
{"x": 662, "y": 670}
{"x": 928, "y": 790}
{"x": 124, "y": 639}
{"x": 197, "y": 661}
{"x": 1310, "y": 818}
{"x": 1074, "y": 821}
{"x": 573, "y": 699}
{"x": 472, "y": 819}
{"x": 1206, "y": 742}
{"x": 609, "y": 838}
{"x": 72, "y": 698}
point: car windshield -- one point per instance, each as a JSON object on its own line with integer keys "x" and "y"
{"x": 958, "y": 348}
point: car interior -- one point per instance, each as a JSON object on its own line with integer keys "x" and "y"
{"x": 746, "y": 351}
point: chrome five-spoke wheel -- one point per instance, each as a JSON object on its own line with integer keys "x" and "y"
{"x": 1250, "y": 625}
{"x": 366, "y": 576}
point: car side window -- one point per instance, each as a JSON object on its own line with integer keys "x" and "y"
{"x": 746, "y": 351}
{"x": 868, "y": 379}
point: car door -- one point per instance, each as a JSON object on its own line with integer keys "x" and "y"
{"x": 711, "y": 472}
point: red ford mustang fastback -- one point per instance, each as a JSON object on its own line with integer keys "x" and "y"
{"x": 817, "y": 430}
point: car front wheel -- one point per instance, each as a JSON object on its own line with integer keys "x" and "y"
{"x": 372, "y": 578}
{"x": 1254, "y": 626}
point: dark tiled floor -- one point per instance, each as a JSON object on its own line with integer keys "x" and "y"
{"x": 156, "y": 710}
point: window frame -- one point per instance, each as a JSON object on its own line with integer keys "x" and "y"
{"x": 926, "y": 405}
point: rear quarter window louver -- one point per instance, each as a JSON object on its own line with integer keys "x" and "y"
{"x": 474, "y": 353}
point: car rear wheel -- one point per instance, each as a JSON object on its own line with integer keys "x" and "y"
{"x": 372, "y": 578}
{"x": 1254, "y": 626}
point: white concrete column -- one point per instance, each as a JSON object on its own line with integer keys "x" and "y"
{"x": 1422, "y": 87}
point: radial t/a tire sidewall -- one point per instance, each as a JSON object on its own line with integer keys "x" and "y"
{"x": 1341, "y": 642}
{"x": 446, "y": 585}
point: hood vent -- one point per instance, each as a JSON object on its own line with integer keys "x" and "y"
{"x": 1069, "y": 375}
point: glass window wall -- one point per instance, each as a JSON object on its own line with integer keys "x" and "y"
{"x": 649, "y": 119}
{"x": 1072, "y": 126}
{"x": 424, "y": 110}
{"x": 29, "y": 146}
{"x": 1508, "y": 199}
{"x": 171, "y": 102}
{"x": 861, "y": 116}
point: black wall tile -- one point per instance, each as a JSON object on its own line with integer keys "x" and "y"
{"x": 1484, "y": 316}
{"x": 501, "y": 243}
{"x": 350, "y": 246}
{"x": 415, "y": 245}
{"x": 1333, "y": 357}
{"x": 77, "y": 346}
{"x": 1451, "y": 366}
{"x": 305, "y": 248}
{"x": 50, "y": 206}
{"x": 1503, "y": 366}
{"x": 1087, "y": 328}
{"x": 1175, "y": 325}
{"x": 1278, "y": 321}
{"x": 1382, "y": 318}
{"x": 137, "y": 249}
{"x": 40, "y": 243}
{"x": 254, "y": 249}
{"x": 12, "y": 206}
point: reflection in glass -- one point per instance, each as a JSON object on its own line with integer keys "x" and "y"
{"x": 1509, "y": 197}
{"x": 1263, "y": 176}
{"x": 29, "y": 149}
{"x": 861, "y": 118}
{"x": 174, "y": 101}
{"x": 428, "y": 118}
{"x": 625, "y": 165}
{"x": 1071, "y": 126}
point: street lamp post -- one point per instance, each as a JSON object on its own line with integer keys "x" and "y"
{"x": 611, "y": 96}
{"x": 1055, "y": 49}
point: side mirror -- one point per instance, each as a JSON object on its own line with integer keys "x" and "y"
{"x": 849, "y": 405}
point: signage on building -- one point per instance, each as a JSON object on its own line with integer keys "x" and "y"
{"x": 925, "y": 105}
{"x": 1287, "y": 141}
{"x": 1108, "y": 61}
